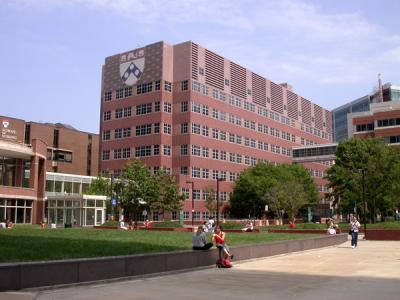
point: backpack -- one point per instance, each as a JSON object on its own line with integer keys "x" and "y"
{"x": 223, "y": 263}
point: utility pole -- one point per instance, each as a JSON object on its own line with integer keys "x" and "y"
{"x": 218, "y": 181}
{"x": 192, "y": 184}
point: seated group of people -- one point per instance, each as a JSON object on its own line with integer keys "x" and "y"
{"x": 218, "y": 237}
{"x": 6, "y": 224}
{"x": 333, "y": 228}
{"x": 132, "y": 225}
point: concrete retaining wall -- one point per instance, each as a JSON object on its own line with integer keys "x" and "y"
{"x": 16, "y": 276}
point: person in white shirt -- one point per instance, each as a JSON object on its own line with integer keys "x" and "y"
{"x": 354, "y": 227}
{"x": 3, "y": 224}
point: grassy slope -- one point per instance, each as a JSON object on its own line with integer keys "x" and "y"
{"x": 29, "y": 243}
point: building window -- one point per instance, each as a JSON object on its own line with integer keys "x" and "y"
{"x": 226, "y": 82}
{"x": 156, "y": 127}
{"x": 108, "y": 96}
{"x": 144, "y": 88}
{"x": 157, "y": 86}
{"x": 118, "y": 113}
{"x": 167, "y": 128}
{"x": 167, "y": 107}
{"x": 195, "y": 150}
{"x": 195, "y": 172}
{"x": 128, "y": 91}
{"x": 184, "y": 149}
{"x": 143, "y": 109}
{"x": 167, "y": 86}
{"x": 157, "y": 106}
{"x": 127, "y": 112}
{"x": 119, "y": 94}
{"x": 196, "y": 195}
{"x": 127, "y": 132}
{"x": 201, "y": 71}
{"x": 106, "y": 135}
{"x": 117, "y": 153}
{"x": 143, "y": 129}
{"x": 205, "y": 152}
{"x": 184, "y": 128}
{"x": 184, "y": 170}
{"x": 204, "y": 130}
{"x": 184, "y": 106}
{"x": 184, "y": 85}
{"x": 143, "y": 151}
{"x": 195, "y": 128}
{"x": 223, "y": 155}
{"x": 205, "y": 110}
{"x": 156, "y": 149}
{"x": 167, "y": 150}
{"x": 126, "y": 153}
{"x": 107, "y": 115}
{"x": 118, "y": 133}
{"x": 222, "y": 136}
{"x": 196, "y": 107}
{"x": 204, "y": 173}
{"x": 106, "y": 155}
{"x": 185, "y": 192}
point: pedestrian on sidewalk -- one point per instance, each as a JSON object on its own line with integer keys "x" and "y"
{"x": 354, "y": 227}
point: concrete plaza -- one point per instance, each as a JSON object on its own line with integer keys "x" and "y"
{"x": 371, "y": 271}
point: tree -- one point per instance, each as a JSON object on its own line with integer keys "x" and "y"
{"x": 288, "y": 187}
{"x": 211, "y": 199}
{"x": 136, "y": 187}
{"x": 381, "y": 166}
{"x": 169, "y": 198}
{"x": 100, "y": 186}
{"x": 250, "y": 190}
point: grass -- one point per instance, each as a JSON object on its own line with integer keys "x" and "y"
{"x": 30, "y": 243}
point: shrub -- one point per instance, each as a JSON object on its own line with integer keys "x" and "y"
{"x": 166, "y": 224}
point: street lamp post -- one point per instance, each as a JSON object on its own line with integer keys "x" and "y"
{"x": 192, "y": 183}
{"x": 365, "y": 203}
{"x": 218, "y": 181}
{"x": 362, "y": 171}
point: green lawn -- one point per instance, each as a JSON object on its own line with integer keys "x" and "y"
{"x": 30, "y": 243}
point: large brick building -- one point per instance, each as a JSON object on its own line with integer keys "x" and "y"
{"x": 202, "y": 117}
{"x": 33, "y": 160}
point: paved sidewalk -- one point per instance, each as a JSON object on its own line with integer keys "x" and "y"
{"x": 371, "y": 271}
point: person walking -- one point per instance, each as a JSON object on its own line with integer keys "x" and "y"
{"x": 354, "y": 227}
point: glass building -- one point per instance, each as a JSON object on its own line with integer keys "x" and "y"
{"x": 67, "y": 202}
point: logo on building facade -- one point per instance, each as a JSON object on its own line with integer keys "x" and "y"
{"x": 131, "y": 66}
{"x": 8, "y": 133}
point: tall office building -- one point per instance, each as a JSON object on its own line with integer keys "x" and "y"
{"x": 201, "y": 117}
{"x": 363, "y": 104}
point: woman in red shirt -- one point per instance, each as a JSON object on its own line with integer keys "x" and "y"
{"x": 219, "y": 240}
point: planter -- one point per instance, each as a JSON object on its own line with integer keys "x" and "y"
{"x": 383, "y": 234}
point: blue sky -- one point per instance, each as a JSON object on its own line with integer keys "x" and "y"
{"x": 52, "y": 50}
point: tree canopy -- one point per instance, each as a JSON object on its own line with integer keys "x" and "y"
{"x": 137, "y": 189}
{"x": 380, "y": 164}
{"x": 283, "y": 187}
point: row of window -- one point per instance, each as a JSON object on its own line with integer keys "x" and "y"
{"x": 237, "y": 120}
{"x": 237, "y": 102}
{"x": 389, "y": 122}
{"x": 140, "y": 89}
{"x": 236, "y": 138}
{"x": 204, "y": 194}
{"x": 141, "y": 109}
{"x": 316, "y": 173}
